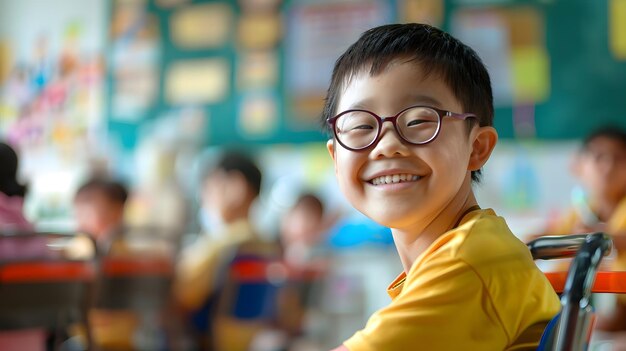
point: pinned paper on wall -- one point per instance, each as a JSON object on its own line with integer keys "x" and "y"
{"x": 135, "y": 61}
{"x": 134, "y": 90}
{"x": 202, "y": 81}
{"x": 259, "y": 5}
{"x": 617, "y": 28}
{"x": 5, "y": 60}
{"x": 487, "y": 33}
{"x": 171, "y": 3}
{"x": 531, "y": 71}
{"x": 257, "y": 70}
{"x": 526, "y": 26}
{"x": 421, "y": 11}
{"x": 259, "y": 30}
{"x": 201, "y": 26}
{"x": 258, "y": 113}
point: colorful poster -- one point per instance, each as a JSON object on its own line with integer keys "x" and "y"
{"x": 487, "y": 33}
{"x": 317, "y": 33}
{"x": 53, "y": 99}
{"x": 511, "y": 43}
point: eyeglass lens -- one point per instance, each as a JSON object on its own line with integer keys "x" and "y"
{"x": 358, "y": 129}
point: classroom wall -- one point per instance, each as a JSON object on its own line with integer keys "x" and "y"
{"x": 554, "y": 64}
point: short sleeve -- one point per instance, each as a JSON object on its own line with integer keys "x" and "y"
{"x": 443, "y": 306}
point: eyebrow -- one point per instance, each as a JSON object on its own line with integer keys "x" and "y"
{"x": 417, "y": 99}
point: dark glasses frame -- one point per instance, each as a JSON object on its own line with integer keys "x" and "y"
{"x": 441, "y": 113}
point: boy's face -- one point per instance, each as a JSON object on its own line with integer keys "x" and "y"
{"x": 301, "y": 224}
{"x": 436, "y": 171}
{"x": 96, "y": 214}
{"x": 225, "y": 193}
{"x": 602, "y": 168}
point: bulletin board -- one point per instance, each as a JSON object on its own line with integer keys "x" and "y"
{"x": 258, "y": 69}
{"x": 247, "y": 65}
{"x": 580, "y": 48}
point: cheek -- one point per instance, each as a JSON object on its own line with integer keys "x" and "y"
{"x": 347, "y": 170}
{"x": 450, "y": 158}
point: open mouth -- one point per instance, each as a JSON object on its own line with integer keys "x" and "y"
{"x": 394, "y": 179}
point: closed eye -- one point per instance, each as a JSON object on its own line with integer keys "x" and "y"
{"x": 363, "y": 126}
{"x": 417, "y": 122}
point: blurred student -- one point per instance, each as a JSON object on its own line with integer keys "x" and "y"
{"x": 12, "y": 193}
{"x": 229, "y": 190}
{"x": 410, "y": 111}
{"x": 12, "y": 220}
{"x": 99, "y": 206}
{"x": 600, "y": 201}
{"x": 303, "y": 230}
{"x": 599, "y": 204}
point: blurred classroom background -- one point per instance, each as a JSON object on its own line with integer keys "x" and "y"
{"x": 150, "y": 91}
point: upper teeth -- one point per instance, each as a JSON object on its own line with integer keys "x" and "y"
{"x": 395, "y": 178}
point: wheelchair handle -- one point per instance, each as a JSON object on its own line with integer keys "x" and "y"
{"x": 560, "y": 246}
{"x": 575, "y": 300}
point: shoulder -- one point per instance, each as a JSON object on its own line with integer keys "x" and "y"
{"x": 481, "y": 232}
{"x": 483, "y": 242}
{"x": 490, "y": 245}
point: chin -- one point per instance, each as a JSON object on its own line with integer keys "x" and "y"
{"x": 393, "y": 220}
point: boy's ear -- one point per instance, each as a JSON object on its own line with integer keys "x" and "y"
{"x": 482, "y": 146}
{"x": 330, "y": 145}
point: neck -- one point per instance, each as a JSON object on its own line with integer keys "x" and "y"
{"x": 414, "y": 241}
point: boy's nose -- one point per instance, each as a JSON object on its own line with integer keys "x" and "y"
{"x": 390, "y": 143}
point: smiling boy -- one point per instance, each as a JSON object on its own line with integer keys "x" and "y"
{"x": 410, "y": 109}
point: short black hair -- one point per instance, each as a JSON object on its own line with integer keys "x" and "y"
{"x": 235, "y": 160}
{"x": 610, "y": 132}
{"x": 435, "y": 50}
{"x": 9, "y": 185}
{"x": 112, "y": 189}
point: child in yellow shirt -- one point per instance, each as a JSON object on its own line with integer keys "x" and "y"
{"x": 600, "y": 203}
{"x": 410, "y": 110}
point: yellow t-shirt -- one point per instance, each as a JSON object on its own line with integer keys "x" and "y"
{"x": 197, "y": 270}
{"x": 617, "y": 226}
{"x": 475, "y": 288}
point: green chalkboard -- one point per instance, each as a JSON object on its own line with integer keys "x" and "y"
{"x": 587, "y": 84}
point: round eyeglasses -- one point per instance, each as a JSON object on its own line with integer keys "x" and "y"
{"x": 359, "y": 129}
